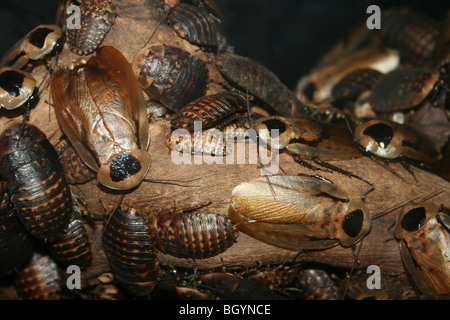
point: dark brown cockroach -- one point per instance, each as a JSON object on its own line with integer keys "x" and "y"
{"x": 214, "y": 111}
{"x": 194, "y": 24}
{"x": 310, "y": 140}
{"x": 130, "y": 248}
{"x": 72, "y": 247}
{"x": 352, "y": 85}
{"x": 277, "y": 277}
{"x": 298, "y": 213}
{"x": 101, "y": 109}
{"x": 16, "y": 245}
{"x": 388, "y": 141}
{"x": 170, "y": 75}
{"x": 16, "y": 88}
{"x": 40, "y": 279}
{"x": 213, "y": 6}
{"x": 97, "y": 17}
{"x": 441, "y": 54}
{"x": 260, "y": 82}
{"x": 316, "y": 284}
{"x": 75, "y": 170}
{"x": 423, "y": 230}
{"x": 403, "y": 89}
{"x": 413, "y": 34}
{"x": 192, "y": 235}
{"x": 39, "y": 43}
{"x": 317, "y": 85}
{"x": 34, "y": 180}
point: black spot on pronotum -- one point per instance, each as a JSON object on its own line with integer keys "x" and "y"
{"x": 352, "y": 223}
{"x": 275, "y": 124}
{"x": 413, "y": 219}
{"x": 12, "y": 81}
{"x": 124, "y": 166}
{"x": 309, "y": 90}
{"x": 37, "y": 38}
{"x": 381, "y": 133}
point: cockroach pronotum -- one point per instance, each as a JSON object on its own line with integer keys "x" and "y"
{"x": 248, "y": 75}
{"x": 170, "y": 75}
{"x": 130, "y": 247}
{"x": 298, "y": 213}
{"x": 101, "y": 109}
{"x": 423, "y": 232}
{"x": 194, "y": 24}
{"x": 16, "y": 88}
{"x": 97, "y": 17}
{"x": 193, "y": 235}
{"x": 34, "y": 180}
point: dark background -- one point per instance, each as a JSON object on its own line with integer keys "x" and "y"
{"x": 287, "y": 36}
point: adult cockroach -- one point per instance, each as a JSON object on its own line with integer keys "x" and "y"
{"x": 101, "y": 109}
{"x": 34, "y": 180}
{"x": 192, "y": 235}
{"x": 423, "y": 230}
{"x": 40, "y": 279}
{"x": 170, "y": 75}
{"x": 386, "y": 140}
{"x": 130, "y": 247}
{"x": 97, "y": 17}
{"x": 254, "y": 78}
{"x": 16, "y": 88}
{"x": 298, "y": 213}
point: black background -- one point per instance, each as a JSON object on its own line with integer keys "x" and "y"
{"x": 287, "y": 36}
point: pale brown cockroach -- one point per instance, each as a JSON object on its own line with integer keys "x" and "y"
{"x": 423, "y": 230}
{"x": 389, "y": 141}
{"x": 100, "y": 107}
{"x": 16, "y": 245}
{"x": 214, "y": 111}
{"x": 310, "y": 140}
{"x": 39, "y": 279}
{"x": 97, "y": 17}
{"x": 17, "y": 87}
{"x": 194, "y": 24}
{"x": 42, "y": 41}
{"x": 298, "y": 213}
{"x": 130, "y": 248}
{"x": 195, "y": 235}
{"x": 34, "y": 180}
{"x": 170, "y": 75}
{"x": 257, "y": 80}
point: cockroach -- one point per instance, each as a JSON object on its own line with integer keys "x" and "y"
{"x": 16, "y": 88}
{"x": 192, "y": 235}
{"x": 317, "y": 85}
{"x": 42, "y": 41}
{"x": 249, "y": 75}
{"x": 75, "y": 170}
{"x": 423, "y": 231}
{"x": 170, "y": 75}
{"x": 380, "y": 139}
{"x": 444, "y": 164}
{"x": 34, "y": 180}
{"x": 72, "y": 247}
{"x": 40, "y": 279}
{"x": 130, "y": 248}
{"x": 403, "y": 89}
{"x": 412, "y": 33}
{"x": 310, "y": 140}
{"x": 101, "y": 109}
{"x": 298, "y": 213}
{"x": 194, "y": 24}
{"x": 16, "y": 245}
{"x": 97, "y": 17}
{"x": 214, "y": 111}
{"x": 316, "y": 284}
{"x": 213, "y": 6}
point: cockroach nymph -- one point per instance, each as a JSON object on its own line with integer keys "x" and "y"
{"x": 193, "y": 235}
{"x": 170, "y": 75}
{"x": 97, "y": 17}
{"x": 100, "y": 107}
{"x": 298, "y": 213}
{"x": 16, "y": 88}
{"x": 130, "y": 247}
{"x": 423, "y": 231}
{"x": 34, "y": 180}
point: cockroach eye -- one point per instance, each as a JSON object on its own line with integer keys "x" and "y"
{"x": 381, "y": 133}
{"x": 352, "y": 223}
{"x": 414, "y": 219}
{"x": 275, "y": 124}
